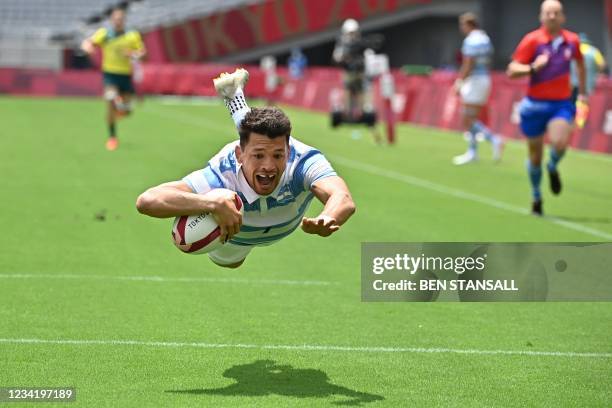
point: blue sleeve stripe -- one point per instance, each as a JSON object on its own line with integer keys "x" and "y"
{"x": 324, "y": 175}
{"x": 301, "y": 169}
{"x": 212, "y": 178}
{"x": 186, "y": 180}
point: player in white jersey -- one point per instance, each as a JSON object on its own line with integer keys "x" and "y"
{"x": 275, "y": 175}
{"x": 473, "y": 84}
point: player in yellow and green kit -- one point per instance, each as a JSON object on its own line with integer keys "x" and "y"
{"x": 120, "y": 47}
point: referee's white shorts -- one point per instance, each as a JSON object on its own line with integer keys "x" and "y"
{"x": 476, "y": 90}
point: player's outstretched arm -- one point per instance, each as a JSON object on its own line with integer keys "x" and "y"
{"x": 90, "y": 43}
{"x": 339, "y": 206}
{"x": 176, "y": 198}
{"x": 88, "y": 46}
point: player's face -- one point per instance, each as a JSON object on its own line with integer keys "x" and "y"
{"x": 118, "y": 20}
{"x": 263, "y": 161}
{"x": 551, "y": 15}
{"x": 464, "y": 28}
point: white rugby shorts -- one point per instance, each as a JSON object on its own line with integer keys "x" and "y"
{"x": 475, "y": 90}
{"x": 229, "y": 254}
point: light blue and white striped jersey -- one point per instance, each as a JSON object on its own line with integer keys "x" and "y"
{"x": 266, "y": 219}
{"x": 478, "y": 45}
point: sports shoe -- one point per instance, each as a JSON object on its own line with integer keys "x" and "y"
{"x": 498, "y": 148}
{"x": 467, "y": 157}
{"x": 112, "y": 144}
{"x": 536, "y": 208}
{"x": 227, "y": 84}
{"x": 555, "y": 181}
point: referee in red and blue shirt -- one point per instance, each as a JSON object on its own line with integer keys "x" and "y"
{"x": 545, "y": 56}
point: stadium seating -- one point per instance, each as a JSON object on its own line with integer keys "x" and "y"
{"x": 152, "y": 13}
{"x": 46, "y": 17}
{"x": 27, "y": 26}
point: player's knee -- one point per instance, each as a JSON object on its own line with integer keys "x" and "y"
{"x": 110, "y": 94}
{"x": 536, "y": 160}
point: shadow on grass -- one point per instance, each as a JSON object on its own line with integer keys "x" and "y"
{"x": 265, "y": 377}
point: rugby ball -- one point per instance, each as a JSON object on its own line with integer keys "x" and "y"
{"x": 199, "y": 234}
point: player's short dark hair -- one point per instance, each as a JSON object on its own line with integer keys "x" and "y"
{"x": 470, "y": 19}
{"x": 268, "y": 121}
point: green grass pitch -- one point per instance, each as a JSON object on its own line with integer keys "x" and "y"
{"x": 94, "y": 295}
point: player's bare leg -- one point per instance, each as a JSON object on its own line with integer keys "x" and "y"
{"x": 123, "y": 105}
{"x": 534, "y": 169}
{"x": 110, "y": 93}
{"x": 112, "y": 142}
{"x": 470, "y": 113}
{"x": 474, "y": 129}
{"x": 560, "y": 132}
{"x": 365, "y": 101}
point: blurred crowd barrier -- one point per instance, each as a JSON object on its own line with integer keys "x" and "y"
{"x": 422, "y": 100}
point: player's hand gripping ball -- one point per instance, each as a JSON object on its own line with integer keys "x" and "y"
{"x": 200, "y": 234}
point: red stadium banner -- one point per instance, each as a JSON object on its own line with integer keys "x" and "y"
{"x": 426, "y": 101}
{"x": 255, "y": 25}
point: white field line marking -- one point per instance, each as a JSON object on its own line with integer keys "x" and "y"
{"x": 306, "y": 347}
{"x": 169, "y": 279}
{"x": 415, "y": 181}
{"x": 520, "y": 143}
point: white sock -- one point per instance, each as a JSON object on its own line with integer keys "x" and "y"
{"x": 238, "y": 107}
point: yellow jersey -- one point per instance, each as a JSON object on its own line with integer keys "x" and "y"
{"x": 114, "y": 47}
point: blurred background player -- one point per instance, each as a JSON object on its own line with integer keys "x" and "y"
{"x": 545, "y": 56}
{"x": 348, "y": 53}
{"x": 474, "y": 86}
{"x": 357, "y": 104}
{"x": 297, "y": 63}
{"x": 271, "y": 78}
{"x": 120, "y": 47}
{"x": 594, "y": 63}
